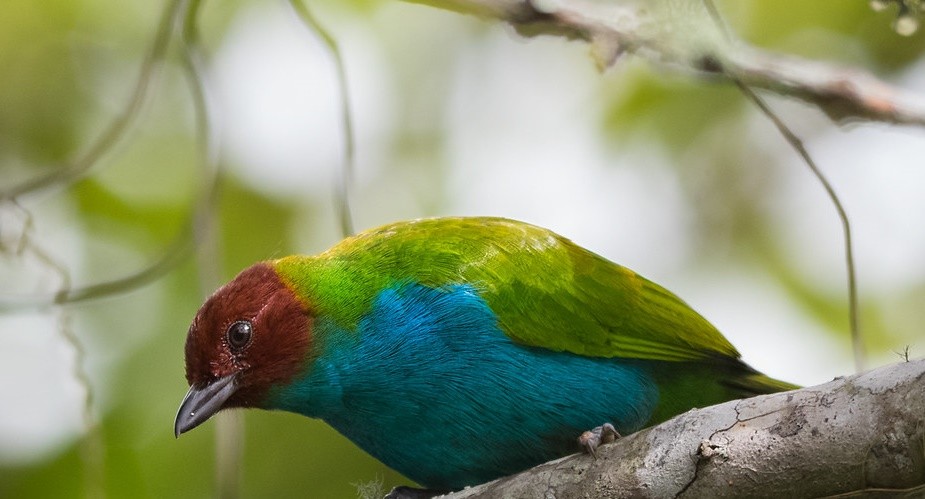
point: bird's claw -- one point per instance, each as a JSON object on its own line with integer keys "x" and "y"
{"x": 598, "y": 436}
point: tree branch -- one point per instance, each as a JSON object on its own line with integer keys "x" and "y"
{"x": 681, "y": 35}
{"x": 851, "y": 436}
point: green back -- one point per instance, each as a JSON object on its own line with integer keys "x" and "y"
{"x": 546, "y": 291}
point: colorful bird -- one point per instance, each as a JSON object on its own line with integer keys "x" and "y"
{"x": 458, "y": 350}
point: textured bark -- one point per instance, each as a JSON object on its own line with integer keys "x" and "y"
{"x": 689, "y": 36}
{"x": 862, "y": 435}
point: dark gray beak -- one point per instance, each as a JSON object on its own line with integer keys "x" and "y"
{"x": 202, "y": 402}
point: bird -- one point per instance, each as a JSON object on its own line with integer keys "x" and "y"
{"x": 457, "y": 350}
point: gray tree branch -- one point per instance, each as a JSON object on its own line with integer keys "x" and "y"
{"x": 855, "y": 436}
{"x": 682, "y": 35}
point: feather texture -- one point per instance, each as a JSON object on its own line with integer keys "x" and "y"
{"x": 429, "y": 384}
{"x": 458, "y": 350}
{"x": 545, "y": 290}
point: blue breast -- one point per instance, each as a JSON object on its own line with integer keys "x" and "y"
{"x": 433, "y": 388}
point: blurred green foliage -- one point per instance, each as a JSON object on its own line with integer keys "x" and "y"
{"x": 847, "y": 32}
{"x": 67, "y": 67}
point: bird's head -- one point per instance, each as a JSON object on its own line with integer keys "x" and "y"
{"x": 249, "y": 336}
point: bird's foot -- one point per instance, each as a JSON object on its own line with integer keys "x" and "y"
{"x": 403, "y": 492}
{"x": 593, "y": 439}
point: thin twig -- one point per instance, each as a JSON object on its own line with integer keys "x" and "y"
{"x": 170, "y": 258}
{"x": 182, "y": 245}
{"x": 229, "y": 442}
{"x": 349, "y": 164}
{"x": 203, "y": 215}
{"x": 119, "y": 125}
{"x": 718, "y": 20}
{"x": 91, "y": 446}
{"x": 797, "y": 145}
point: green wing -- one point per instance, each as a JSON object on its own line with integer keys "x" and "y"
{"x": 546, "y": 291}
{"x": 567, "y": 298}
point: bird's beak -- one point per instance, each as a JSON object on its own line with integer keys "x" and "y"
{"x": 201, "y": 402}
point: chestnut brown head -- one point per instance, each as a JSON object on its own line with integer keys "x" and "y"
{"x": 250, "y": 335}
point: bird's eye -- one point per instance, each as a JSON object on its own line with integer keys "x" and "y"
{"x": 239, "y": 334}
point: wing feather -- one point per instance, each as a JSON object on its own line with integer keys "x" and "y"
{"x": 546, "y": 291}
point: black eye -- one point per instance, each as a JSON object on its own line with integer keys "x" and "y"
{"x": 239, "y": 334}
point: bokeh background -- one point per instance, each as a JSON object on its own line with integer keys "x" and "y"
{"x": 677, "y": 178}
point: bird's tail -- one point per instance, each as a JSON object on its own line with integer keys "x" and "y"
{"x": 684, "y": 385}
{"x": 755, "y": 383}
